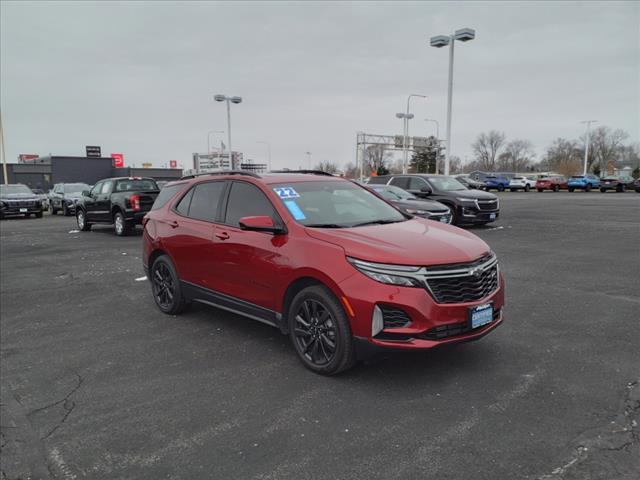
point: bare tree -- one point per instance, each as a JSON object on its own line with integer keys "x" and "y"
{"x": 327, "y": 166}
{"x": 487, "y": 148}
{"x": 517, "y": 156}
{"x": 605, "y": 147}
{"x": 351, "y": 170}
{"x": 455, "y": 164}
{"x": 563, "y": 156}
{"x": 376, "y": 158}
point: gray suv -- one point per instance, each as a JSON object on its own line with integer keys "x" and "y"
{"x": 64, "y": 197}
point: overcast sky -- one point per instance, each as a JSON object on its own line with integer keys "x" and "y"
{"x": 139, "y": 77}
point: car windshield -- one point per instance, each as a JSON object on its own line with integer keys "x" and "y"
{"x": 15, "y": 190}
{"x": 136, "y": 185}
{"x": 447, "y": 184}
{"x": 75, "y": 187}
{"x": 393, "y": 193}
{"x": 335, "y": 204}
{"x": 577, "y": 176}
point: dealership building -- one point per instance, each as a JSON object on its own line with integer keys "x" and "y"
{"x": 44, "y": 172}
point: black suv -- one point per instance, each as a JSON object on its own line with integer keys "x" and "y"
{"x": 18, "y": 199}
{"x": 467, "y": 206}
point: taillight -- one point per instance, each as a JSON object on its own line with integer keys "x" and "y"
{"x": 134, "y": 200}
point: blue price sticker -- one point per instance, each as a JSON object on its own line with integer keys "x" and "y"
{"x": 286, "y": 192}
{"x": 295, "y": 210}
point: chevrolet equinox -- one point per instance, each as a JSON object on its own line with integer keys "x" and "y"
{"x": 323, "y": 259}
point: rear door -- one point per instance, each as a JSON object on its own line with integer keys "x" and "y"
{"x": 187, "y": 232}
{"x": 249, "y": 261}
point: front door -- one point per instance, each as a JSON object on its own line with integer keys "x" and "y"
{"x": 90, "y": 202}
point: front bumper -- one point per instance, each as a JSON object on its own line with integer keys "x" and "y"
{"x": 428, "y": 319}
{"x": 135, "y": 217}
{"x": 9, "y": 209}
{"x": 472, "y": 215}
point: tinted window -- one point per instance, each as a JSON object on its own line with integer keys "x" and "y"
{"x": 136, "y": 185}
{"x": 416, "y": 183}
{"x": 448, "y": 184}
{"x": 106, "y": 188}
{"x": 165, "y": 195}
{"x": 401, "y": 182}
{"x": 74, "y": 187}
{"x": 96, "y": 188}
{"x": 245, "y": 200}
{"x": 183, "y": 205}
{"x": 204, "y": 204}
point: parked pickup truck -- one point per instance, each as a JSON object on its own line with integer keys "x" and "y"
{"x": 121, "y": 202}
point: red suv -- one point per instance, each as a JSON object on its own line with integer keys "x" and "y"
{"x": 551, "y": 182}
{"x": 323, "y": 259}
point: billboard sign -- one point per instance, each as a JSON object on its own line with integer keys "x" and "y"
{"x": 173, "y": 164}
{"x": 93, "y": 151}
{"x": 27, "y": 158}
{"x": 147, "y": 165}
{"x": 118, "y": 160}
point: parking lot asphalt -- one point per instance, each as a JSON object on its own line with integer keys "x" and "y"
{"x": 97, "y": 383}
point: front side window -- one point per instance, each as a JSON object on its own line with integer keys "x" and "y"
{"x": 106, "y": 188}
{"x": 246, "y": 200}
{"x": 334, "y": 204}
{"x": 416, "y": 183}
{"x": 206, "y": 197}
{"x": 97, "y": 188}
{"x": 446, "y": 184}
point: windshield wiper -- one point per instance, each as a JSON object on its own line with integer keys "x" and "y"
{"x": 325, "y": 225}
{"x": 376, "y": 222}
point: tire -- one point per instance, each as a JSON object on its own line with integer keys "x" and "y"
{"x": 501, "y": 188}
{"x": 540, "y": 190}
{"x": 81, "y": 219}
{"x": 165, "y": 286}
{"x": 513, "y": 189}
{"x": 39, "y": 214}
{"x": 65, "y": 210}
{"x": 122, "y": 227}
{"x": 587, "y": 188}
{"x": 53, "y": 210}
{"x": 527, "y": 188}
{"x": 556, "y": 188}
{"x": 317, "y": 315}
{"x": 603, "y": 190}
{"x": 571, "y": 189}
{"x": 620, "y": 188}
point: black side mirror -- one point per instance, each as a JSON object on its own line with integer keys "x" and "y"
{"x": 425, "y": 190}
{"x": 86, "y": 193}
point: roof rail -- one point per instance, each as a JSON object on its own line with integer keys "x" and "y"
{"x": 309, "y": 172}
{"x": 222, "y": 172}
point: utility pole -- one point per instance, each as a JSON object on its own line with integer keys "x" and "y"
{"x": 586, "y": 145}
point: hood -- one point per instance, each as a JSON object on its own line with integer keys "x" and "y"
{"x": 414, "y": 242}
{"x": 74, "y": 195}
{"x": 19, "y": 196}
{"x": 428, "y": 205}
{"x": 474, "y": 194}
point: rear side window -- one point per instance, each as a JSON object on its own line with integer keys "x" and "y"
{"x": 206, "y": 197}
{"x": 416, "y": 183}
{"x": 401, "y": 182}
{"x": 165, "y": 195}
{"x": 246, "y": 200}
{"x": 183, "y": 206}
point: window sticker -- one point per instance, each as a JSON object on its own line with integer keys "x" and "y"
{"x": 295, "y": 210}
{"x": 286, "y": 192}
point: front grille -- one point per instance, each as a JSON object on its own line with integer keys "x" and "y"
{"x": 394, "y": 317}
{"x": 462, "y": 283}
{"x": 21, "y": 203}
{"x": 453, "y": 329}
{"x": 488, "y": 204}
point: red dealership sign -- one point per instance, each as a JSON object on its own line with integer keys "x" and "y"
{"x": 173, "y": 164}
{"x": 118, "y": 160}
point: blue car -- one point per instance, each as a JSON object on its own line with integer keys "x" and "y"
{"x": 499, "y": 182}
{"x": 583, "y": 182}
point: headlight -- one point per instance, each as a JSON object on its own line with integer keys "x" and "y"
{"x": 385, "y": 273}
{"x": 416, "y": 212}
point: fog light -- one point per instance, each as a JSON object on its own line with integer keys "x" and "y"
{"x": 377, "y": 321}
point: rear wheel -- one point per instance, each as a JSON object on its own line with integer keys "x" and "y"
{"x": 540, "y": 190}
{"x": 54, "y": 211}
{"x": 587, "y": 188}
{"x": 81, "y": 218}
{"x": 123, "y": 228}
{"x": 603, "y": 190}
{"x": 513, "y": 189}
{"x": 39, "y": 214}
{"x": 527, "y": 188}
{"x": 320, "y": 331}
{"x": 165, "y": 286}
{"x": 571, "y": 189}
{"x": 556, "y": 188}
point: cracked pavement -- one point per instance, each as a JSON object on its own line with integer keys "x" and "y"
{"x": 96, "y": 383}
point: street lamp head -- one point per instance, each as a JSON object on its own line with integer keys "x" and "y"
{"x": 219, "y": 98}
{"x": 409, "y": 116}
{"x": 465, "y": 34}
{"x": 400, "y": 115}
{"x": 236, "y": 99}
{"x": 440, "y": 41}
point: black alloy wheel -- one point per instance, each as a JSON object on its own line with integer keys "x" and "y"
{"x": 587, "y": 188}
{"x": 556, "y": 188}
{"x": 320, "y": 331}
{"x": 501, "y": 188}
{"x": 527, "y": 188}
{"x": 165, "y": 286}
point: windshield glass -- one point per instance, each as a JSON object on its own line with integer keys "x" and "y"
{"x": 136, "y": 185}
{"x": 448, "y": 184}
{"x": 15, "y": 190}
{"x": 577, "y": 176}
{"x": 333, "y": 204}
{"x": 393, "y": 193}
{"x": 75, "y": 187}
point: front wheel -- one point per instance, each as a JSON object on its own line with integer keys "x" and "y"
{"x": 501, "y": 188}
{"x": 527, "y": 188}
{"x": 587, "y": 188}
{"x": 571, "y": 189}
{"x": 123, "y": 228}
{"x": 540, "y": 190}
{"x": 81, "y": 218}
{"x": 39, "y": 214}
{"x": 165, "y": 286}
{"x": 556, "y": 188}
{"x": 602, "y": 190}
{"x": 320, "y": 331}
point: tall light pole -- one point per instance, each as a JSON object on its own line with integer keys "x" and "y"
{"x": 308, "y": 160}
{"x": 586, "y": 145}
{"x": 268, "y": 151}
{"x": 462, "y": 35}
{"x": 405, "y": 136}
{"x": 229, "y": 100}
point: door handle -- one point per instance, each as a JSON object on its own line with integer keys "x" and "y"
{"x": 173, "y": 224}
{"x": 223, "y": 235}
